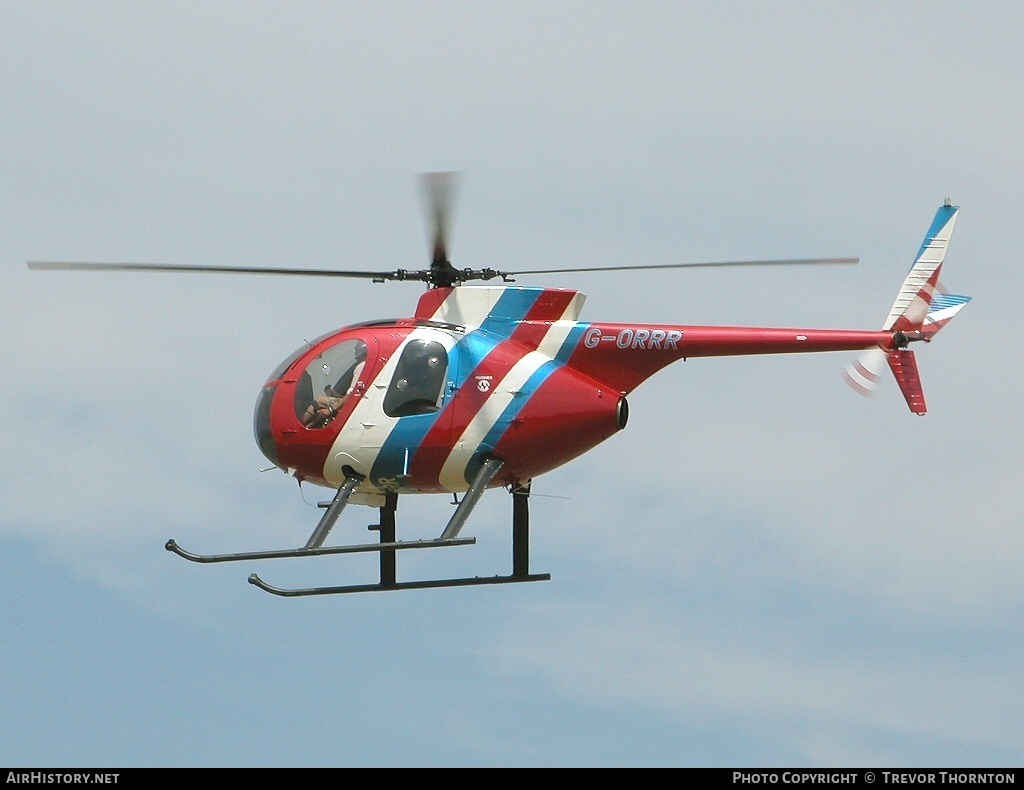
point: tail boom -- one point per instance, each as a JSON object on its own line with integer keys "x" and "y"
{"x": 623, "y": 356}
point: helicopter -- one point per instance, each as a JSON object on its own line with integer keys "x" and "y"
{"x": 487, "y": 386}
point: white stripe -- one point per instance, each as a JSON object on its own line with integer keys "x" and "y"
{"x": 552, "y": 342}
{"x": 555, "y": 337}
{"x": 468, "y": 305}
{"x": 575, "y": 307}
{"x": 944, "y": 313}
{"x": 368, "y": 420}
{"x": 453, "y": 472}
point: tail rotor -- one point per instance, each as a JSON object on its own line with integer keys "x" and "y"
{"x": 864, "y": 373}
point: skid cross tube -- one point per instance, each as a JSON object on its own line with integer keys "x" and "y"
{"x": 388, "y": 577}
{"x": 314, "y": 546}
{"x": 388, "y": 544}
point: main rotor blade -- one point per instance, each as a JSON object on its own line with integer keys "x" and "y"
{"x": 173, "y": 267}
{"x": 439, "y": 192}
{"x": 440, "y": 274}
{"x": 709, "y": 264}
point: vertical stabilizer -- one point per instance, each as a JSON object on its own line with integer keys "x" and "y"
{"x": 921, "y": 309}
{"x": 911, "y": 305}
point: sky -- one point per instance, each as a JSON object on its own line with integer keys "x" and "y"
{"x": 763, "y": 569}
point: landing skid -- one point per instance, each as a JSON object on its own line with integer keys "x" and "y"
{"x": 388, "y": 546}
{"x": 348, "y": 549}
{"x": 354, "y": 588}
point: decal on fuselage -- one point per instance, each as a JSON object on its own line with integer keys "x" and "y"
{"x": 646, "y": 338}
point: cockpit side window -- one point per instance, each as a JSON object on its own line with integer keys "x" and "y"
{"x": 419, "y": 378}
{"x": 328, "y": 381}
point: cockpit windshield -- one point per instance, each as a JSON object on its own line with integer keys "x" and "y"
{"x": 291, "y": 359}
{"x": 327, "y": 382}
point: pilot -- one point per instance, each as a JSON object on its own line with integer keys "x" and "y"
{"x": 357, "y": 370}
{"x": 325, "y": 408}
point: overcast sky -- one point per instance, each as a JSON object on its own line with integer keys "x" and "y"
{"x": 763, "y": 569}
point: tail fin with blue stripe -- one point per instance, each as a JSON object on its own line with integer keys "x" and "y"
{"x": 921, "y": 309}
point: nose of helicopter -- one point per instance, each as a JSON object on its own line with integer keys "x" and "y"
{"x": 261, "y": 424}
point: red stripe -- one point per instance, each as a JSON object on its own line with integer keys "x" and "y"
{"x": 430, "y": 302}
{"x": 430, "y": 456}
{"x": 550, "y": 306}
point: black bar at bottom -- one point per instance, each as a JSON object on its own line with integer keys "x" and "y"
{"x": 415, "y": 585}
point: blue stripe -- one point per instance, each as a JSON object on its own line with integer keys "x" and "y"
{"x": 942, "y": 217}
{"x": 571, "y": 343}
{"x": 407, "y": 434}
{"x": 511, "y": 411}
{"x": 471, "y": 349}
{"x": 942, "y": 301}
{"x": 511, "y": 307}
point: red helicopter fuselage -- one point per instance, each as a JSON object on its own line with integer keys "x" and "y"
{"x": 416, "y": 405}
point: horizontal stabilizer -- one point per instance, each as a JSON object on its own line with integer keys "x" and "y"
{"x": 904, "y": 368}
{"x": 864, "y": 373}
{"x": 942, "y": 308}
